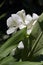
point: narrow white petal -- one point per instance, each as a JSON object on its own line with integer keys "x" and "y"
{"x": 10, "y": 22}
{"x": 20, "y": 45}
{"x": 17, "y": 19}
{"x": 29, "y": 26}
{"x": 35, "y": 16}
{"x": 11, "y": 30}
{"x": 34, "y": 22}
{"x": 21, "y": 26}
{"x": 29, "y": 31}
{"x": 28, "y": 18}
{"x": 21, "y": 14}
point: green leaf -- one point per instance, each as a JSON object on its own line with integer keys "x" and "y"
{"x": 7, "y": 60}
{"x": 7, "y": 51}
{"x": 40, "y": 20}
{"x": 2, "y": 4}
{"x": 3, "y": 15}
{"x": 23, "y": 63}
{"x": 39, "y": 46}
{"x": 34, "y": 35}
{"x": 36, "y": 41}
{"x": 6, "y": 48}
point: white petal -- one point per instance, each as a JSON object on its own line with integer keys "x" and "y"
{"x": 10, "y": 22}
{"x": 35, "y": 16}
{"x": 11, "y": 30}
{"x": 29, "y": 31}
{"x": 34, "y": 22}
{"x": 28, "y": 18}
{"x": 29, "y": 26}
{"x": 20, "y": 45}
{"x": 21, "y": 26}
{"x": 21, "y": 14}
{"x": 27, "y": 22}
{"x": 17, "y": 19}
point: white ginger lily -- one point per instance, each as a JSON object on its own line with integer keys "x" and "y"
{"x": 21, "y": 20}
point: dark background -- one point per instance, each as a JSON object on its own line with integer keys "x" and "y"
{"x": 12, "y": 6}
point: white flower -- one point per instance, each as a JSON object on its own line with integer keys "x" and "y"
{"x": 29, "y": 21}
{"x": 20, "y": 45}
{"x": 21, "y": 20}
{"x": 13, "y": 23}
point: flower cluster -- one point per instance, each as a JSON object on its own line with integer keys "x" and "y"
{"x": 21, "y": 20}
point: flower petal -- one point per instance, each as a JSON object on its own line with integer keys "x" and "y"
{"x": 35, "y": 16}
{"x": 34, "y": 22}
{"x": 21, "y": 26}
{"x": 20, "y": 45}
{"x": 21, "y": 14}
{"x": 29, "y": 31}
{"x": 17, "y": 19}
{"x": 27, "y": 22}
{"x": 28, "y": 18}
{"x": 10, "y": 22}
{"x": 11, "y": 30}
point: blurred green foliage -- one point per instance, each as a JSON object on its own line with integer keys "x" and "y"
{"x": 33, "y": 44}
